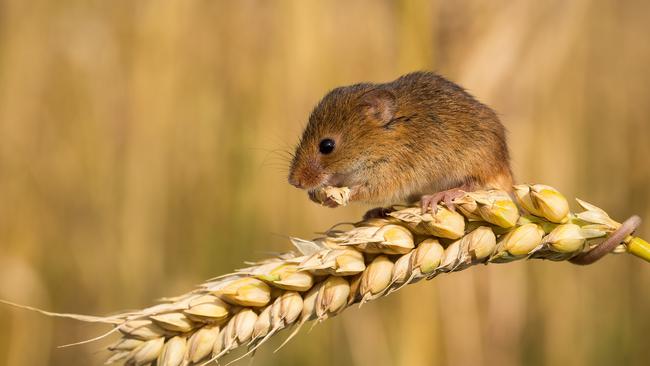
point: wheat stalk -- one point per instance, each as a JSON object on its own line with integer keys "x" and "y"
{"x": 372, "y": 259}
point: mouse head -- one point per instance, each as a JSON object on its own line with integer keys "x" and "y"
{"x": 346, "y": 138}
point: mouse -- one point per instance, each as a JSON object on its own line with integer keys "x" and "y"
{"x": 417, "y": 139}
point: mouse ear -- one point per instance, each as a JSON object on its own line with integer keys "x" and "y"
{"x": 379, "y": 104}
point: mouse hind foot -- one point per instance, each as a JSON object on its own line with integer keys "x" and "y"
{"x": 429, "y": 202}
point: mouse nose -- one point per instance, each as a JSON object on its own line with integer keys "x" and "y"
{"x": 295, "y": 182}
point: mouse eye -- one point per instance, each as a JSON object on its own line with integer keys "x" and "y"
{"x": 326, "y": 146}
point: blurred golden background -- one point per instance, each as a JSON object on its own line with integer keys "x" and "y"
{"x": 141, "y": 152}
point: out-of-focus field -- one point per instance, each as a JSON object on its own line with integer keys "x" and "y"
{"x": 141, "y": 152}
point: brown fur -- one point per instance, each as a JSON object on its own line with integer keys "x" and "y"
{"x": 397, "y": 141}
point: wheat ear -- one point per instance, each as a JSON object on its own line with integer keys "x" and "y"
{"x": 371, "y": 259}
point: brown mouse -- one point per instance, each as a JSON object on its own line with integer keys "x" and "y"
{"x": 418, "y": 138}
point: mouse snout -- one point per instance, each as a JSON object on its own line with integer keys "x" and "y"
{"x": 295, "y": 181}
{"x": 306, "y": 177}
